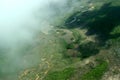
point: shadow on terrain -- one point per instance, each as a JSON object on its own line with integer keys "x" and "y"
{"x": 88, "y": 49}
{"x": 98, "y": 22}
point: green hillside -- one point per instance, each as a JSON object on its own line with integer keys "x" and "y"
{"x": 84, "y": 45}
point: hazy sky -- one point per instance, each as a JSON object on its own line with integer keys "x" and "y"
{"x": 14, "y": 14}
{"x": 19, "y": 18}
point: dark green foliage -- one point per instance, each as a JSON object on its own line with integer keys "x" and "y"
{"x": 70, "y": 46}
{"x": 88, "y": 49}
{"x": 99, "y": 22}
{"x": 60, "y": 75}
{"x": 96, "y": 73}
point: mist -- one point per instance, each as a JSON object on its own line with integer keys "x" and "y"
{"x": 17, "y": 20}
{"x": 21, "y": 21}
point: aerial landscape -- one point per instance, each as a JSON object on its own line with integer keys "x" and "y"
{"x": 60, "y": 40}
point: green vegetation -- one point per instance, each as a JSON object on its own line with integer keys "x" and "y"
{"x": 70, "y": 46}
{"x": 116, "y": 30}
{"x": 57, "y": 50}
{"x": 64, "y": 43}
{"x": 96, "y": 73}
{"x": 77, "y": 36}
{"x": 60, "y": 75}
{"x": 88, "y": 49}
